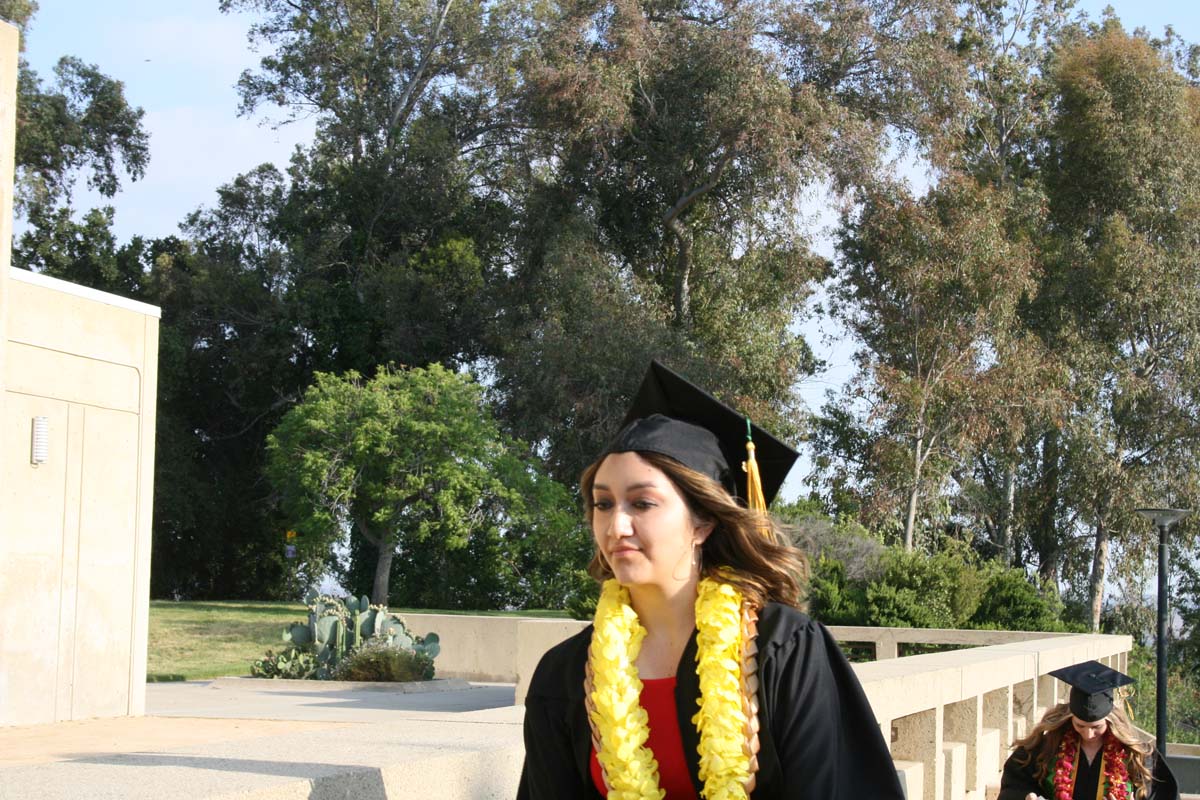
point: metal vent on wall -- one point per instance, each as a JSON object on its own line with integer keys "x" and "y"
{"x": 40, "y": 448}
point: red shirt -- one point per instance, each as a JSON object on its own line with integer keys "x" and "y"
{"x": 658, "y": 698}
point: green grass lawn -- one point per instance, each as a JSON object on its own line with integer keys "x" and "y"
{"x": 197, "y": 640}
{"x": 209, "y": 639}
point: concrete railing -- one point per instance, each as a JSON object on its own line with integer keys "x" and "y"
{"x": 950, "y": 717}
{"x": 887, "y": 641}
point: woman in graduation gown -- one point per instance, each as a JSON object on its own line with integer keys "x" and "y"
{"x": 1087, "y": 749}
{"x": 699, "y": 673}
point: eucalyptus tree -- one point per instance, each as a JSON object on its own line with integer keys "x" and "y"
{"x": 672, "y": 147}
{"x": 1122, "y": 168}
{"x": 1008, "y": 487}
{"x": 931, "y": 288}
{"x": 931, "y": 431}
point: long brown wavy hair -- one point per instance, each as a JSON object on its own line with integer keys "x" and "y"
{"x": 746, "y": 548}
{"x": 1042, "y": 743}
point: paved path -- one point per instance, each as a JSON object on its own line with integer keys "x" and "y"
{"x": 247, "y": 698}
{"x": 261, "y": 741}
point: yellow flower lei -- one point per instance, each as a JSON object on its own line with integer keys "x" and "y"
{"x": 621, "y": 725}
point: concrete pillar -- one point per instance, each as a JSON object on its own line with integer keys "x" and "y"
{"x": 964, "y": 723}
{"x": 954, "y": 757}
{"x": 886, "y": 645}
{"x": 1025, "y": 704}
{"x": 998, "y": 715}
{"x": 1048, "y": 694}
{"x": 919, "y": 737}
{"x": 992, "y": 753}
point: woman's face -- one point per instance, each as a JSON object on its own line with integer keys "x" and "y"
{"x": 642, "y": 524}
{"x": 1089, "y": 731}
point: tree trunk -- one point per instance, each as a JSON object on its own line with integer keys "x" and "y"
{"x": 1099, "y": 565}
{"x": 1006, "y": 524}
{"x": 383, "y": 572}
{"x": 1045, "y": 529}
{"x": 683, "y": 269}
{"x": 910, "y": 520}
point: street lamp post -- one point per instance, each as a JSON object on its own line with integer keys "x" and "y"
{"x": 1163, "y": 519}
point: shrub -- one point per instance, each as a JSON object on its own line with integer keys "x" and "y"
{"x": 842, "y": 539}
{"x": 832, "y": 598}
{"x": 583, "y": 596}
{"x": 295, "y": 662}
{"x": 377, "y": 660}
{"x": 1013, "y": 603}
{"x": 922, "y": 591}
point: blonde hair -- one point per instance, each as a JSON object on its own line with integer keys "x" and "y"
{"x": 746, "y": 548}
{"x": 1042, "y": 743}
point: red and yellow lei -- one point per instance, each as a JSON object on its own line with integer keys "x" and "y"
{"x": 1115, "y": 772}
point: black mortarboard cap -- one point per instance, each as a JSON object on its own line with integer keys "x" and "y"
{"x": 1092, "y": 686}
{"x": 674, "y": 417}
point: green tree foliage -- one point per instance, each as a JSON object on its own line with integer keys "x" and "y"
{"x": 232, "y": 360}
{"x": 411, "y": 463}
{"x": 915, "y": 590}
{"x": 832, "y": 598}
{"x": 1012, "y": 602}
{"x": 392, "y": 238}
{"x": 77, "y": 125}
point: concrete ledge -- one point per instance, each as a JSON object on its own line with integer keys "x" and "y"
{"x": 1185, "y": 764}
{"x": 471, "y": 756}
{"x": 291, "y": 685}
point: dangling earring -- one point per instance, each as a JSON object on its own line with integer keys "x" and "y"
{"x": 697, "y": 554}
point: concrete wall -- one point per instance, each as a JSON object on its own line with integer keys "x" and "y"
{"x": 75, "y": 530}
{"x": 497, "y": 649}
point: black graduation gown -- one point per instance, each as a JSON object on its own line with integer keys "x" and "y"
{"x": 1018, "y": 780}
{"x": 818, "y": 736}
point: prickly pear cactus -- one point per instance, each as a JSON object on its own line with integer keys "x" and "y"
{"x": 298, "y": 634}
{"x": 339, "y": 626}
{"x": 430, "y": 645}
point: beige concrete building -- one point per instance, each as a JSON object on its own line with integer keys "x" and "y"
{"x": 78, "y": 373}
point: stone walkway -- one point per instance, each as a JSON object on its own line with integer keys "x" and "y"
{"x": 235, "y": 738}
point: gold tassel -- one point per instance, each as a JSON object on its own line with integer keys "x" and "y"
{"x": 754, "y": 491}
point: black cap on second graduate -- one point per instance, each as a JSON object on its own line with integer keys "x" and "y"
{"x": 674, "y": 417}
{"x": 1092, "y": 686}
